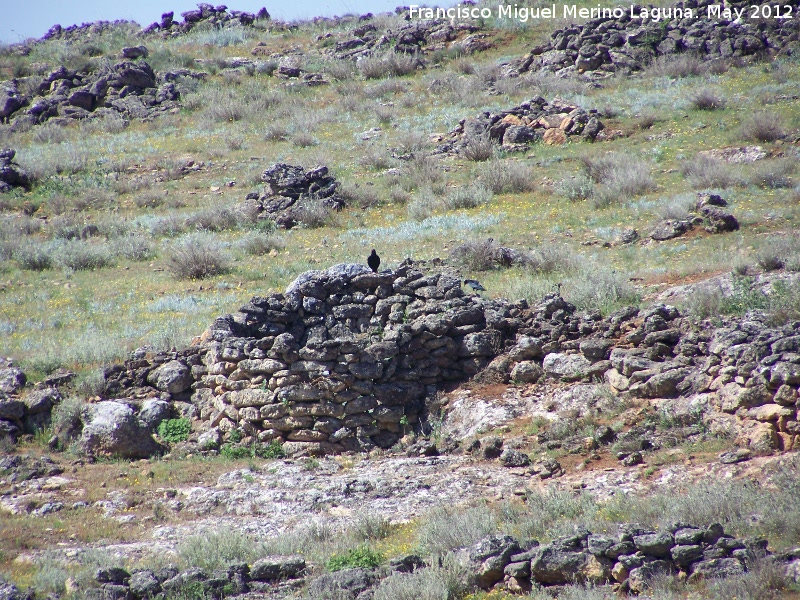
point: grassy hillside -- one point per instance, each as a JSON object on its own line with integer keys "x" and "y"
{"x": 153, "y": 187}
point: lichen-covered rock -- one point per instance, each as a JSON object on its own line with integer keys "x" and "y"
{"x": 111, "y": 428}
{"x": 173, "y": 377}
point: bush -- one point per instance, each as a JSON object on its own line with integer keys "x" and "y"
{"x": 677, "y": 207}
{"x": 214, "y": 219}
{"x": 387, "y": 65}
{"x": 774, "y": 174}
{"x": 507, "y": 176}
{"x": 361, "y": 556}
{"x": 362, "y": 196}
{"x": 134, "y": 247}
{"x": 33, "y": 257}
{"x": 598, "y": 288}
{"x": 478, "y": 148}
{"x": 470, "y": 196}
{"x": 233, "y": 452}
{"x": 260, "y": 244}
{"x": 580, "y": 187}
{"x": 212, "y": 550}
{"x": 448, "y": 581}
{"x": 174, "y": 430}
{"x": 707, "y": 99}
{"x": 676, "y": 66}
{"x": 777, "y": 252}
{"x": 81, "y": 256}
{"x": 620, "y": 177}
{"x": 706, "y": 172}
{"x": 313, "y": 213}
{"x": 764, "y": 126}
{"x": 194, "y": 258}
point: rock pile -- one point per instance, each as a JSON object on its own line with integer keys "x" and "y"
{"x": 416, "y": 38}
{"x": 28, "y": 413}
{"x": 534, "y": 120}
{"x": 205, "y": 14}
{"x": 128, "y": 89}
{"x": 11, "y": 174}
{"x": 623, "y": 44}
{"x": 709, "y": 214}
{"x": 632, "y": 558}
{"x": 290, "y": 189}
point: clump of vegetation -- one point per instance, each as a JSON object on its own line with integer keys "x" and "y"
{"x": 362, "y": 556}
{"x": 763, "y": 126}
{"x": 503, "y": 176}
{"x": 174, "y": 430}
{"x": 196, "y": 258}
{"x": 707, "y": 99}
{"x": 391, "y": 64}
{"x": 619, "y": 177}
{"x": 706, "y": 172}
{"x": 232, "y": 451}
{"x": 478, "y": 148}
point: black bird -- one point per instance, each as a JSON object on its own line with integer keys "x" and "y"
{"x": 374, "y": 261}
{"x": 474, "y": 285}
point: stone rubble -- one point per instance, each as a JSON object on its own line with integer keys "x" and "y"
{"x": 289, "y": 187}
{"x": 11, "y": 174}
{"x": 603, "y": 46}
{"x": 128, "y": 89}
{"x": 535, "y": 120}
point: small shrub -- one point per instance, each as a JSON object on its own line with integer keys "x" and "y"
{"x": 313, "y": 213}
{"x": 304, "y": 139}
{"x": 706, "y": 99}
{"x": 148, "y": 199}
{"x": 676, "y": 66}
{"x": 194, "y": 258}
{"x": 423, "y": 205}
{"x": 447, "y": 581}
{"x": 550, "y": 258}
{"x": 706, "y": 172}
{"x": 260, "y": 244}
{"x": 362, "y": 196}
{"x": 66, "y": 416}
{"x": 134, "y": 247}
{"x": 276, "y": 132}
{"x": 214, "y": 219}
{"x": 677, "y": 208}
{"x": 81, "y": 256}
{"x": 774, "y": 174}
{"x": 211, "y": 550}
{"x": 33, "y": 257}
{"x": 580, "y": 187}
{"x": 507, "y": 176}
{"x": 470, "y": 196}
{"x": 764, "y": 126}
{"x": 362, "y": 557}
{"x": 387, "y": 65}
{"x": 375, "y": 158}
{"x": 777, "y": 252}
{"x": 478, "y": 148}
{"x": 174, "y": 430}
{"x": 620, "y": 177}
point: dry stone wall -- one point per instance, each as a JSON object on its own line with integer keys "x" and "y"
{"x": 345, "y": 359}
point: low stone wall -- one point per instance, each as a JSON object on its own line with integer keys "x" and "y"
{"x": 345, "y": 358}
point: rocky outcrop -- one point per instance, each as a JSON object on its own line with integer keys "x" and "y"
{"x": 205, "y": 14}
{"x": 416, "y": 38}
{"x": 611, "y": 44}
{"x": 289, "y": 190}
{"x": 128, "y": 89}
{"x": 11, "y": 174}
{"x": 632, "y": 558}
{"x": 708, "y": 213}
{"x": 522, "y": 125}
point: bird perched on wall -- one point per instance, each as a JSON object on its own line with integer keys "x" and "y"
{"x": 374, "y": 261}
{"x": 474, "y": 285}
